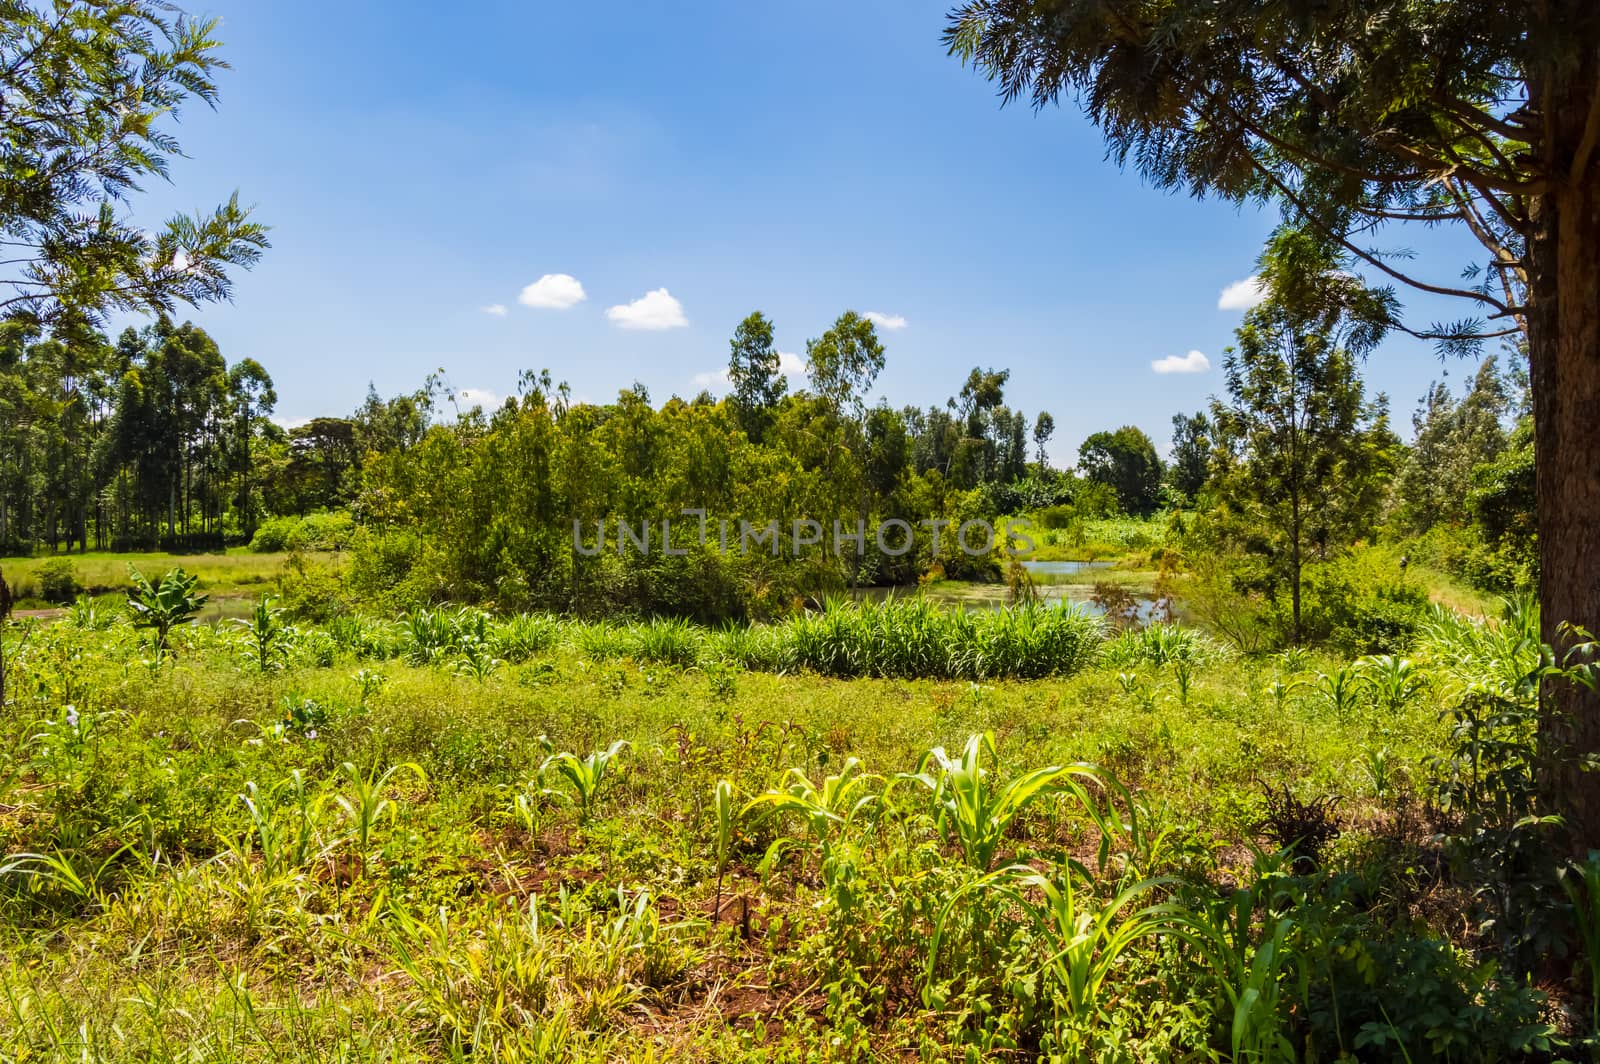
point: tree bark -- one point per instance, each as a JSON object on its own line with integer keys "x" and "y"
{"x": 1564, "y": 362}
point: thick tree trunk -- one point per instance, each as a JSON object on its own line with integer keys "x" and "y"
{"x": 1564, "y": 353}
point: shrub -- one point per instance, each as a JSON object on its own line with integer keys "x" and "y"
{"x": 315, "y": 532}
{"x": 58, "y": 581}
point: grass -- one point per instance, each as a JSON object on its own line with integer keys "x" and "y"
{"x": 230, "y": 573}
{"x": 656, "y": 842}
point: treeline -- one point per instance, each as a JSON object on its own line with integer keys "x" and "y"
{"x": 508, "y": 505}
{"x": 155, "y": 441}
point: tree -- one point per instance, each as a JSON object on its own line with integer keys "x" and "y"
{"x": 1478, "y": 114}
{"x": 87, "y": 84}
{"x": 844, "y": 362}
{"x": 1452, "y": 441}
{"x": 1190, "y": 467}
{"x": 1303, "y": 451}
{"x": 1126, "y": 462}
{"x": 1044, "y": 427}
{"x": 756, "y": 372}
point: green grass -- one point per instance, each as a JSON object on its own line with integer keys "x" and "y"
{"x": 236, "y": 571}
{"x": 360, "y": 850}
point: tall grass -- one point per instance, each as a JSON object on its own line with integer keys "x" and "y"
{"x": 916, "y": 639}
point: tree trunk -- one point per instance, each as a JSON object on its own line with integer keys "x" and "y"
{"x": 1564, "y": 354}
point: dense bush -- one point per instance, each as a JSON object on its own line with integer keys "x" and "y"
{"x": 313, "y": 532}
{"x": 58, "y": 580}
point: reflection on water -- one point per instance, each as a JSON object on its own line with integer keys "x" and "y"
{"x": 1062, "y": 568}
{"x": 995, "y": 596}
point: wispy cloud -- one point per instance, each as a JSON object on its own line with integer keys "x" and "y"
{"x": 653, "y": 310}
{"x": 553, "y": 291}
{"x": 886, "y": 321}
{"x": 495, "y": 310}
{"x": 1242, "y": 295}
{"x": 1193, "y": 362}
{"x": 471, "y": 397}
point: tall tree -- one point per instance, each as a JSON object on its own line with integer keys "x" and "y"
{"x": 755, "y": 370}
{"x": 1190, "y": 466}
{"x": 1452, "y": 440}
{"x": 1044, "y": 427}
{"x": 1126, "y": 462}
{"x": 1480, "y": 114}
{"x": 1303, "y": 451}
{"x": 844, "y": 362}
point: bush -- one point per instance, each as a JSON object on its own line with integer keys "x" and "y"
{"x": 58, "y": 581}
{"x": 313, "y": 532}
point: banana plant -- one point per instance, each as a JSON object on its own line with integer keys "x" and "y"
{"x": 586, "y": 774}
{"x": 165, "y": 606}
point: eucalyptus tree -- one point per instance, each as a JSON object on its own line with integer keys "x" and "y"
{"x": 755, "y": 370}
{"x": 1481, "y": 115}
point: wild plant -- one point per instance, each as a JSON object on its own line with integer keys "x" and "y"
{"x": 73, "y": 873}
{"x": 722, "y": 806}
{"x": 267, "y": 634}
{"x": 1378, "y": 764}
{"x": 975, "y": 813}
{"x": 1077, "y": 943}
{"x": 428, "y": 635}
{"x": 87, "y": 615}
{"x": 1391, "y": 681}
{"x": 163, "y": 607}
{"x": 586, "y": 774}
{"x": 364, "y": 801}
{"x": 519, "y": 638}
{"x": 285, "y": 848}
{"x": 475, "y": 659}
{"x": 1339, "y": 690}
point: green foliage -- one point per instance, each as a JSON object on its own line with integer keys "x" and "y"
{"x": 585, "y": 774}
{"x": 1126, "y": 462}
{"x": 58, "y": 580}
{"x": 163, "y": 607}
{"x": 313, "y": 532}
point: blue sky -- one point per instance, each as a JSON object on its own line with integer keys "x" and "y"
{"x": 419, "y": 164}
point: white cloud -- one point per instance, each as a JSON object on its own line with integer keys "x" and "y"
{"x": 495, "y": 310}
{"x": 290, "y": 423}
{"x": 1242, "y": 295}
{"x": 714, "y": 381}
{"x": 885, "y": 321}
{"x": 1193, "y": 362}
{"x": 553, "y": 291}
{"x": 471, "y": 397}
{"x": 653, "y": 310}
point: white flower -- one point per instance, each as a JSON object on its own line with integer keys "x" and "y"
{"x": 72, "y": 716}
{"x": 311, "y": 733}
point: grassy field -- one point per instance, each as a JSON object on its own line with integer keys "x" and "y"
{"x": 234, "y": 572}
{"x": 406, "y": 842}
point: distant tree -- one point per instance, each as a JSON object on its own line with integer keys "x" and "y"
{"x": 1044, "y": 427}
{"x": 86, "y": 86}
{"x": 1190, "y": 466}
{"x": 755, "y": 370}
{"x": 1126, "y": 462}
{"x": 1305, "y": 454}
{"x": 844, "y": 362}
{"x": 1452, "y": 440}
